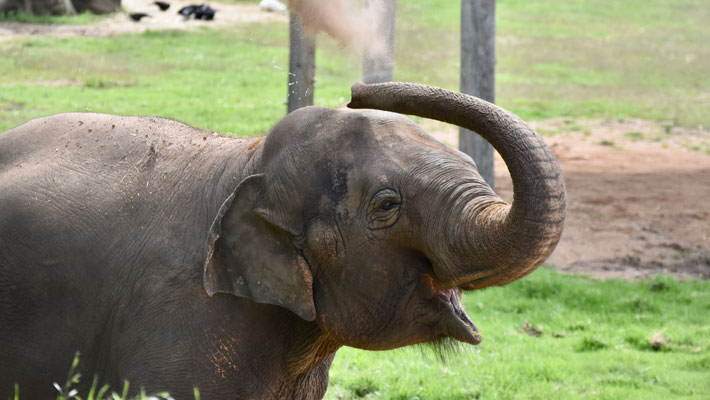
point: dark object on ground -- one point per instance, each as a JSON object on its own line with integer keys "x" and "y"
{"x": 187, "y": 11}
{"x": 205, "y": 12}
{"x": 138, "y": 16}
{"x": 201, "y": 11}
{"x": 59, "y": 7}
{"x": 163, "y": 5}
{"x": 531, "y": 330}
{"x": 175, "y": 258}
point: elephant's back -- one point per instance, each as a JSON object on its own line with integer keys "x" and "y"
{"x": 84, "y": 186}
{"x": 101, "y": 137}
{"x": 70, "y": 182}
{"x": 77, "y": 174}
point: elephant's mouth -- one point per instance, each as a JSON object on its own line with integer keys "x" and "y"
{"x": 453, "y": 322}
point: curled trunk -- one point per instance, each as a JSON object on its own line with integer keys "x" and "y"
{"x": 489, "y": 241}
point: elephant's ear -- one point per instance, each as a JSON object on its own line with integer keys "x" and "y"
{"x": 250, "y": 254}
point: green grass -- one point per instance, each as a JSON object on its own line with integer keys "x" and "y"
{"x": 77, "y": 19}
{"x": 68, "y": 392}
{"x": 595, "y": 343}
{"x": 634, "y": 136}
{"x": 606, "y": 59}
{"x": 221, "y": 81}
{"x": 580, "y": 59}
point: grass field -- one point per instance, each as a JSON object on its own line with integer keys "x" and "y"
{"x": 24, "y": 17}
{"x": 581, "y": 59}
{"x": 578, "y": 58}
{"x": 596, "y": 340}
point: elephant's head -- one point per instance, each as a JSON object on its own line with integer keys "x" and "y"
{"x": 361, "y": 221}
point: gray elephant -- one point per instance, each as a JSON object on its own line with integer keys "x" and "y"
{"x": 176, "y": 258}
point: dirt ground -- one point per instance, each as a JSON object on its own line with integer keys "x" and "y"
{"x": 228, "y": 15}
{"x": 638, "y": 195}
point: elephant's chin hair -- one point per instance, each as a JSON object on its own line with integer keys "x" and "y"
{"x": 443, "y": 348}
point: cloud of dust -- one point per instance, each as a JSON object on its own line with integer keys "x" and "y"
{"x": 356, "y": 24}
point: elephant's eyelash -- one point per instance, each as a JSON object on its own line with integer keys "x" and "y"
{"x": 388, "y": 205}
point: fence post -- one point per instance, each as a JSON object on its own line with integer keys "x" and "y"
{"x": 378, "y": 66}
{"x": 478, "y": 74}
{"x": 301, "y": 65}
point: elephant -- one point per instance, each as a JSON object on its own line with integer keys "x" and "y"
{"x": 177, "y": 258}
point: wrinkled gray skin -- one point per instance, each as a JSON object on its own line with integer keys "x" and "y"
{"x": 175, "y": 258}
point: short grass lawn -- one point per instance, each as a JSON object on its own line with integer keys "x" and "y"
{"x": 554, "y": 336}
{"x": 581, "y": 59}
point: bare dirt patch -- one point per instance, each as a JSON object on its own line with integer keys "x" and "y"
{"x": 228, "y": 15}
{"x": 638, "y": 197}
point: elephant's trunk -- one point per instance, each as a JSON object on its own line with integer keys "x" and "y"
{"x": 489, "y": 241}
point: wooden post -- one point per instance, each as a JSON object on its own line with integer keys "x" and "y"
{"x": 478, "y": 74}
{"x": 301, "y": 65}
{"x": 378, "y": 66}
{"x": 68, "y": 7}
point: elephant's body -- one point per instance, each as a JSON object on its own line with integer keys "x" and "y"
{"x": 104, "y": 223}
{"x": 176, "y": 258}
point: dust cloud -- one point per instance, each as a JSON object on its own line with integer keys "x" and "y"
{"x": 355, "y": 24}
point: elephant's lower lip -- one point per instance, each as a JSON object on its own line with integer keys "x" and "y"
{"x": 473, "y": 336}
{"x": 459, "y": 325}
{"x": 453, "y": 320}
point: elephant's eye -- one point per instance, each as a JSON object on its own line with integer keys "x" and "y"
{"x": 387, "y": 204}
{"x": 384, "y": 209}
